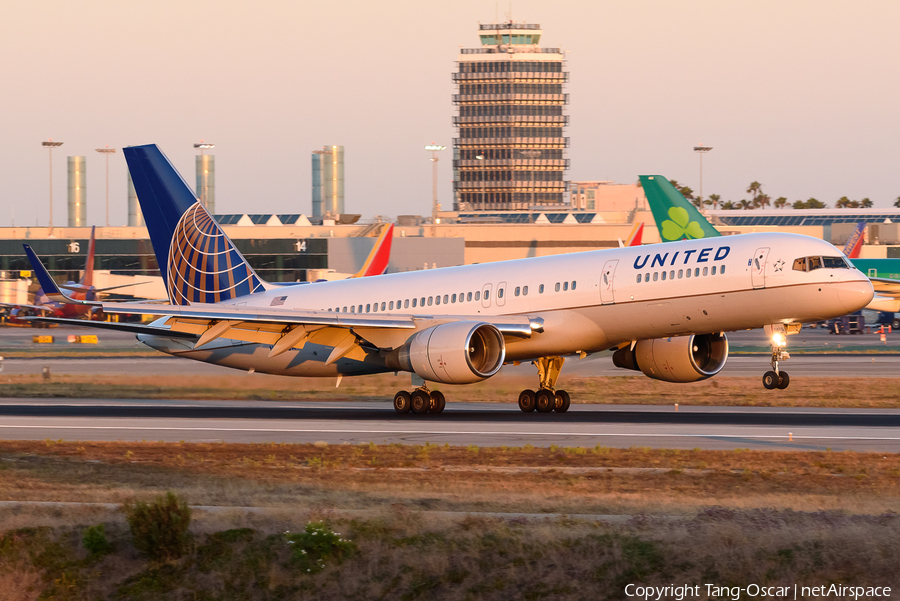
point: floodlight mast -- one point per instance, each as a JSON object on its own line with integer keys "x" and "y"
{"x": 204, "y": 189}
{"x": 106, "y": 151}
{"x": 701, "y": 150}
{"x": 50, "y": 145}
{"x": 434, "y": 149}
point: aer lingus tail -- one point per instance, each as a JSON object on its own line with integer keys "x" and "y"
{"x": 675, "y": 217}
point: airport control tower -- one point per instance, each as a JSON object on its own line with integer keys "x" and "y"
{"x": 510, "y": 149}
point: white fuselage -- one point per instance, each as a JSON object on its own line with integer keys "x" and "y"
{"x": 588, "y": 301}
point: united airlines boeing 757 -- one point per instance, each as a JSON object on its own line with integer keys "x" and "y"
{"x": 664, "y": 309}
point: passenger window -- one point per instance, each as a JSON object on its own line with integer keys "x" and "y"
{"x": 815, "y": 263}
{"x": 800, "y": 264}
{"x": 353, "y": 309}
{"x": 446, "y": 297}
{"x": 664, "y": 276}
{"x": 382, "y": 305}
{"x": 525, "y": 291}
{"x": 697, "y": 272}
{"x": 422, "y": 302}
{"x": 375, "y": 308}
{"x": 478, "y": 296}
{"x": 406, "y": 303}
{"x": 722, "y": 270}
{"x": 646, "y": 277}
{"x": 688, "y": 274}
{"x": 469, "y": 297}
{"x": 430, "y": 298}
{"x": 573, "y": 284}
{"x": 414, "y": 303}
{"x": 437, "y": 300}
{"x": 680, "y": 273}
{"x": 565, "y": 286}
{"x": 368, "y": 307}
{"x": 638, "y": 278}
{"x": 541, "y": 289}
{"x": 705, "y": 270}
{"x": 655, "y": 275}
{"x": 453, "y": 298}
{"x": 557, "y": 286}
{"x": 714, "y": 270}
{"x": 487, "y": 294}
{"x": 500, "y": 293}
{"x": 391, "y": 306}
{"x": 516, "y": 292}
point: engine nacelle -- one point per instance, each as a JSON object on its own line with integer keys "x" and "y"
{"x": 461, "y": 352}
{"x": 679, "y": 359}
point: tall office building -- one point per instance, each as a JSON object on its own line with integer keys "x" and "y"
{"x": 510, "y": 153}
{"x": 135, "y": 216}
{"x": 206, "y": 181}
{"x": 328, "y": 181}
{"x": 77, "y": 192}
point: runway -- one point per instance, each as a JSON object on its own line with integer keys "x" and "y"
{"x": 482, "y": 424}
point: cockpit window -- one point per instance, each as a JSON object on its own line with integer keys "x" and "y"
{"x": 810, "y": 263}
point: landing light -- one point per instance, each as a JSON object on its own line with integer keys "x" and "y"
{"x": 778, "y": 339}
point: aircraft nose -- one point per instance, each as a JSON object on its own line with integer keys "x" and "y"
{"x": 855, "y": 292}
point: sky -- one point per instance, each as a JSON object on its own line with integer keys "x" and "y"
{"x": 802, "y": 96}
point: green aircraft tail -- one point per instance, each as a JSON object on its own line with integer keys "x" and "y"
{"x": 675, "y": 217}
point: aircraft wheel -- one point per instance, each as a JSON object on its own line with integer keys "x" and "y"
{"x": 438, "y": 402}
{"x": 545, "y": 400}
{"x": 526, "y": 401}
{"x": 562, "y": 401}
{"x": 402, "y": 402}
{"x": 420, "y": 401}
{"x": 783, "y": 380}
{"x": 770, "y": 380}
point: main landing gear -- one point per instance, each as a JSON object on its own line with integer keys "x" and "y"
{"x": 420, "y": 401}
{"x": 778, "y": 334}
{"x": 547, "y": 398}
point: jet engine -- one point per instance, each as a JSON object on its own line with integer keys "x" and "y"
{"x": 678, "y": 359}
{"x": 460, "y": 352}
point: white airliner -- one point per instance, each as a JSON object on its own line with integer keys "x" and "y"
{"x": 663, "y": 308}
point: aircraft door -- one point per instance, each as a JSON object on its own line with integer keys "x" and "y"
{"x": 606, "y": 282}
{"x": 758, "y": 267}
{"x": 486, "y": 296}
{"x": 501, "y": 294}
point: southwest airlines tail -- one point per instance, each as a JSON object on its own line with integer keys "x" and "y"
{"x": 855, "y": 242}
{"x": 198, "y": 262}
{"x": 676, "y": 218}
{"x": 377, "y": 261}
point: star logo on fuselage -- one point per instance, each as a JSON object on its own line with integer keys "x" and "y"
{"x": 779, "y": 265}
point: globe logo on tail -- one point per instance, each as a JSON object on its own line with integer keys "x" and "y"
{"x": 680, "y": 226}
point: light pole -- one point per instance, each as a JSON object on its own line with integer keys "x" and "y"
{"x": 50, "y": 145}
{"x": 701, "y": 150}
{"x": 204, "y": 188}
{"x": 480, "y": 157}
{"x": 106, "y": 151}
{"x": 434, "y": 149}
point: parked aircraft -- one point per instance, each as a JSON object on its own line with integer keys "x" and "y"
{"x": 82, "y": 290}
{"x": 677, "y": 219}
{"x": 664, "y": 309}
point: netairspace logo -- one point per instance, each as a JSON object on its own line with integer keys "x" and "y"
{"x": 681, "y": 592}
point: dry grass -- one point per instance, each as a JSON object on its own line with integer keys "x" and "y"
{"x": 597, "y": 480}
{"x": 803, "y": 392}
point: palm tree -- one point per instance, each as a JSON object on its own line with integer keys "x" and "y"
{"x": 746, "y": 204}
{"x": 842, "y": 203}
{"x": 754, "y": 188}
{"x": 865, "y": 203}
{"x": 729, "y": 206}
{"x": 764, "y": 200}
{"x": 897, "y": 202}
{"x": 812, "y": 203}
{"x": 697, "y": 202}
{"x": 781, "y": 202}
{"x": 715, "y": 200}
{"x": 799, "y": 204}
{"x": 686, "y": 192}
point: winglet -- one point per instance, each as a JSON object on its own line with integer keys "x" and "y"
{"x": 51, "y": 290}
{"x": 675, "y": 217}
{"x": 377, "y": 261}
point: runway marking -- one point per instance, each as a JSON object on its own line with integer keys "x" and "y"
{"x": 458, "y": 432}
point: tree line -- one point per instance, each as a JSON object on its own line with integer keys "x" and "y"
{"x": 760, "y": 200}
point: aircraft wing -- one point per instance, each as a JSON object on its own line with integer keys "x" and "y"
{"x": 886, "y": 287}
{"x": 21, "y": 306}
{"x": 109, "y": 325}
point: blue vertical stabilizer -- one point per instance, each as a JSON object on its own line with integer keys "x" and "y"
{"x": 198, "y": 262}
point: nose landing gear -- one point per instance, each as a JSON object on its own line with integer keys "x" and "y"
{"x": 547, "y": 398}
{"x": 778, "y": 334}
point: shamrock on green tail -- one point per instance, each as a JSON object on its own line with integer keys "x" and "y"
{"x": 680, "y": 226}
